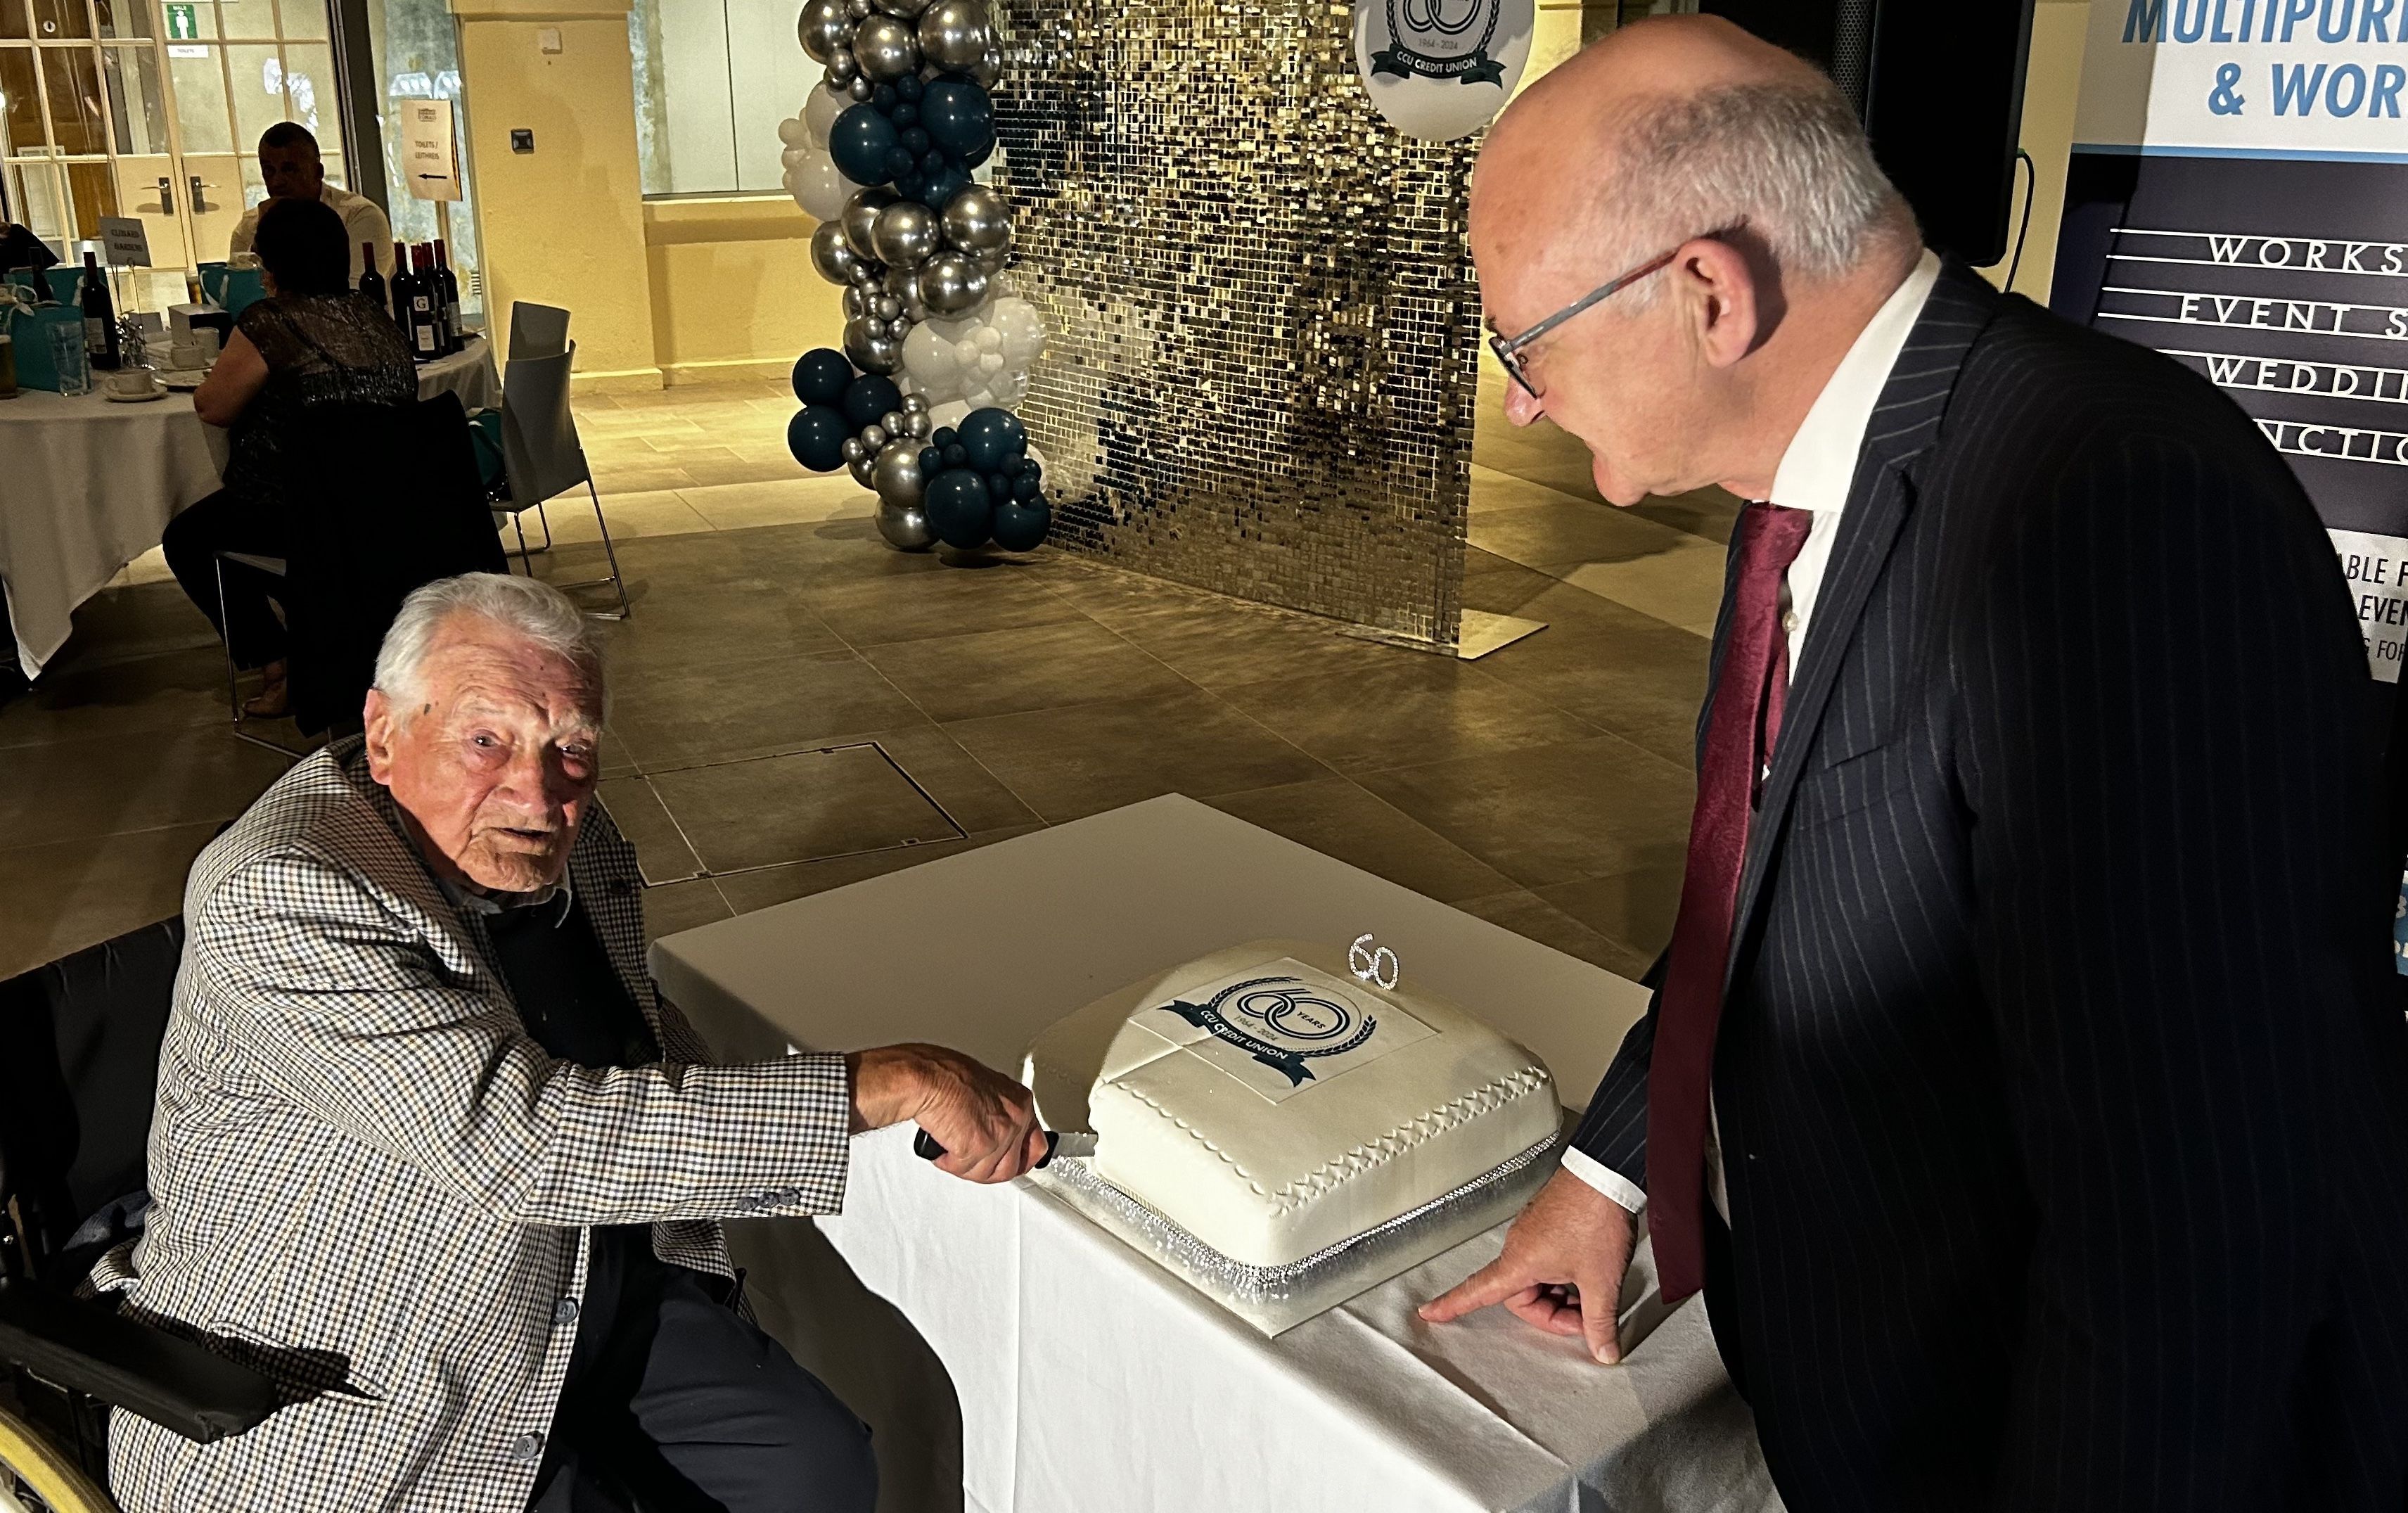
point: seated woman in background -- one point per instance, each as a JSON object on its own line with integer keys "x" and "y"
{"x": 312, "y": 342}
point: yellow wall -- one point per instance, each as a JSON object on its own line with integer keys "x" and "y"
{"x": 2052, "y": 82}
{"x": 733, "y": 294}
{"x": 563, "y": 225}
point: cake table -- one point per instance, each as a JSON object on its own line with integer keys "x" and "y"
{"x": 1015, "y": 1359}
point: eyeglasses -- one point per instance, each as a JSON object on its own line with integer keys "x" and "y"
{"x": 1509, "y": 349}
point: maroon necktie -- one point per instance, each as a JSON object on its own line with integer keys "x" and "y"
{"x": 1748, "y": 695}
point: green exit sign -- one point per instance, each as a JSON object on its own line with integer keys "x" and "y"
{"x": 183, "y": 22}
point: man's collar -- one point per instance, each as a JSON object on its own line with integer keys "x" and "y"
{"x": 1820, "y": 463}
{"x": 472, "y": 900}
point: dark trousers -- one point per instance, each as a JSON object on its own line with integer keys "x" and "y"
{"x": 231, "y": 522}
{"x": 676, "y": 1404}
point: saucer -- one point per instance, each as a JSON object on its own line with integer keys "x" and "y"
{"x": 183, "y": 380}
{"x": 116, "y": 398}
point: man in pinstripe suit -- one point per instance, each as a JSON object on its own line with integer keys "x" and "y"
{"x": 432, "y": 1153}
{"x": 2021, "y": 1087}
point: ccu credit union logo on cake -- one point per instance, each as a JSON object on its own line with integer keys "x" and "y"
{"x": 1440, "y": 69}
{"x": 1283, "y": 1022}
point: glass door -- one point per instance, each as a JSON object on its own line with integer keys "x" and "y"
{"x": 153, "y": 108}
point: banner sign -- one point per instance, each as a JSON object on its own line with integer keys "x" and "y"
{"x": 430, "y": 154}
{"x": 2238, "y": 199}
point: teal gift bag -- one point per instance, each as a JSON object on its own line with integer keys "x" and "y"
{"x": 30, "y": 332}
{"x": 231, "y": 289}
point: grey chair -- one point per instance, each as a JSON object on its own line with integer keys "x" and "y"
{"x": 538, "y": 330}
{"x": 543, "y": 457}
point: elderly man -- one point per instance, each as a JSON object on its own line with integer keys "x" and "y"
{"x": 431, "y": 1151}
{"x": 290, "y": 169}
{"x": 2022, "y": 1087}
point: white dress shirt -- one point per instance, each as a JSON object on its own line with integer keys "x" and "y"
{"x": 363, "y": 225}
{"x": 1816, "y": 471}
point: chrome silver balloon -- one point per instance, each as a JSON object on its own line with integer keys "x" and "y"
{"x": 905, "y": 232}
{"x": 918, "y": 423}
{"x": 875, "y": 326}
{"x": 861, "y": 220}
{"x": 859, "y": 9}
{"x": 895, "y": 474}
{"x": 856, "y": 301}
{"x": 955, "y": 33}
{"x": 915, "y": 404}
{"x": 861, "y": 89}
{"x": 902, "y": 282}
{"x": 873, "y": 436}
{"x": 949, "y": 281}
{"x": 886, "y": 48}
{"x": 897, "y": 328}
{"x": 905, "y": 526}
{"x": 892, "y": 423}
{"x": 831, "y": 255}
{"x": 823, "y": 26}
{"x": 992, "y": 263}
{"x": 988, "y": 68}
{"x": 883, "y": 355}
{"x": 887, "y": 307}
{"x": 842, "y": 66}
{"x": 854, "y": 448}
{"x": 860, "y": 470}
{"x": 904, "y": 9}
{"x": 856, "y": 342}
{"x": 977, "y": 220}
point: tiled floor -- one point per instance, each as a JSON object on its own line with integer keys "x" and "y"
{"x": 1546, "y": 787}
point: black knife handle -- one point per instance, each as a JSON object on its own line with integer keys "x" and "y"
{"x": 924, "y": 1146}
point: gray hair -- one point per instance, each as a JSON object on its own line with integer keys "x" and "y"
{"x": 527, "y": 607}
{"x": 1787, "y": 158}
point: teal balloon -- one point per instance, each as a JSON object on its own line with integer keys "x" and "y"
{"x": 821, "y": 375}
{"x": 816, "y": 437}
{"x": 959, "y": 509}
{"x": 958, "y": 116}
{"x": 989, "y": 435}
{"x": 870, "y": 397}
{"x": 940, "y": 188}
{"x": 860, "y": 141}
{"x": 1021, "y": 526}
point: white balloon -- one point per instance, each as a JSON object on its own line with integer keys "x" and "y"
{"x": 792, "y": 132}
{"x": 1010, "y": 388}
{"x": 819, "y": 189}
{"x": 951, "y": 413}
{"x": 929, "y": 359}
{"x": 982, "y": 399}
{"x": 1022, "y": 328}
{"x": 821, "y": 110}
{"x": 966, "y": 353}
{"x": 991, "y": 363}
{"x": 795, "y": 157}
{"x": 988, "y": 339}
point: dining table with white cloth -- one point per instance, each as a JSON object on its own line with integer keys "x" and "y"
{"x": 88, "y": 484}
{"x": 1042, "y": 1365}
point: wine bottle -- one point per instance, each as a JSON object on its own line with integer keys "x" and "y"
{"x": 454, "y": 337}
{"x": 401, "y": 288}
{"x": 425, "y": 323}
{"x": 99, "y": 316}
{"x": 371, "y": 281}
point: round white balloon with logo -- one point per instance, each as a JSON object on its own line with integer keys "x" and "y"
{"x": 1441, "y": 70}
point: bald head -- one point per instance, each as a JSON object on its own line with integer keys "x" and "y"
{"x": 1740, "y": 178}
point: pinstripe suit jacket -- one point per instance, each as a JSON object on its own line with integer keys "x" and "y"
{"x": 2060, "y": 1101}
{"x": 371, "y": 1183}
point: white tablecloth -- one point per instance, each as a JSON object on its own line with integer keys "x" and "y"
{"x": 91, "y": 483}
{"x": 1080, "y": 1376}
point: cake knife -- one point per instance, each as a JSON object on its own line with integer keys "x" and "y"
{"x": 1071, "y": 1142}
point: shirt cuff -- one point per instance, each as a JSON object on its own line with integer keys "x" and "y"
{"x": 1604, "y": 1179}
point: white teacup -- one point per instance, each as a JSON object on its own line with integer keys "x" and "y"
{"x": 185, "y": 356}
{"x": 130, "y": 383}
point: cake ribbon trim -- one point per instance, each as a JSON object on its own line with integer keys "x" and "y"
{"x": 1374, "y": 1154}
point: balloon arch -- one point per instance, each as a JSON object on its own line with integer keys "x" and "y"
{"x": 936, "y": 345}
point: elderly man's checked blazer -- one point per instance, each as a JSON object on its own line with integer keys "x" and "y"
{"x": 372, "y": 1183}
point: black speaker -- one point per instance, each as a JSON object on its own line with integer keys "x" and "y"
{"x": 1940, "y": 87}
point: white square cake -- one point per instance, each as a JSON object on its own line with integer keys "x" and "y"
{"x": 1272, "y": 1105}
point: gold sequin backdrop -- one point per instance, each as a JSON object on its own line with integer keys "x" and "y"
{"x": 1263, "y": 324}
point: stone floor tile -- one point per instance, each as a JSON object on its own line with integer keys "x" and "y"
{"x": 1419, "y": 710}
{"x": 1548, "y": 814}
{"x": 1026, "y": 668}
{"x": 1086, "y": 759}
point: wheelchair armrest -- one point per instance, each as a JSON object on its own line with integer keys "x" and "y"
{"x": 128, "y": 1364}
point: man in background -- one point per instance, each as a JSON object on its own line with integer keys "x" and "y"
{"x": 290, "y": 166}
{"x": 2024, "y": 1087}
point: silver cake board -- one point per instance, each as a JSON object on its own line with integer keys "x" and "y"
{"x": 1276, "y": 1299}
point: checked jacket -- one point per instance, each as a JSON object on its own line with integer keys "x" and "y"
{"x": 371, "y": 1183}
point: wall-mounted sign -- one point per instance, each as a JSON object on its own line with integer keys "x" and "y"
{"x": 2238, "y": 199}
{"x": 1441, "y": 70}
{"x": 430, "y": 149}
{"x": 124, "y": 242}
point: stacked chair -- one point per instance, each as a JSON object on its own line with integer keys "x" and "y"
{"x": 539, "y": 446}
